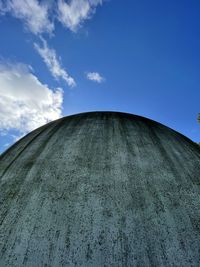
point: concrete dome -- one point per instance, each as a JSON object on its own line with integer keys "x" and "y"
{"x": 100, "y": 189}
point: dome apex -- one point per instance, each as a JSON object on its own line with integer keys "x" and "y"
{"x": 100, "y": 189}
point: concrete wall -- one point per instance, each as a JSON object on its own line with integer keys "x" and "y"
{"x": 100, "y": 189}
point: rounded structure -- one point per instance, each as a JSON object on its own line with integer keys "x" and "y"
{"x": 100, "y": 189}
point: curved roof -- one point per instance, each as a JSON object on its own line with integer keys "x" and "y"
{"x": 100, "y": 189}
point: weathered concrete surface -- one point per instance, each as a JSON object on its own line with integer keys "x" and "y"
{"x": 100, "y": 189}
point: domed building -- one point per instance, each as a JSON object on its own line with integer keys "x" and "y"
{"x": 100, "y": 189}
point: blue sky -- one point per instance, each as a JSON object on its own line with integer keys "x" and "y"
{"x": 64, "y": 57}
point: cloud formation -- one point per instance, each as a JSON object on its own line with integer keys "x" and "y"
{"x": 26, "y": 103}
{"x": 33, "y": 13}
{"x": 51, "y": 60}
{"x": 39, "y": 16}
{"x": 95, "y": 77}
{"x": 72, "y": 14}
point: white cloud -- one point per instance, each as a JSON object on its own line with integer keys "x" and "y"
{"x": 34, "y": 13}
{"x": 39, "y": 16}
{"x": 72, "y": 14}
{"x": 1, "y": 8}
{"x": 50, "y": 58}
{"x": 94, "y": 76}
{"x": 26, "y": 103}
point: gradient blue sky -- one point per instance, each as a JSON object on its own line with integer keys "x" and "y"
{"x": 148, "y": 53}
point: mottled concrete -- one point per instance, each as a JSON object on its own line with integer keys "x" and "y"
{"x": 100, "y": 189}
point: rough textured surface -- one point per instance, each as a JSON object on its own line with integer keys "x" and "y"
{"x": 100, "y": 189}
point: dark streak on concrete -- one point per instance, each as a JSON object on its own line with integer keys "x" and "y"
{"x": 100, "y": 189}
